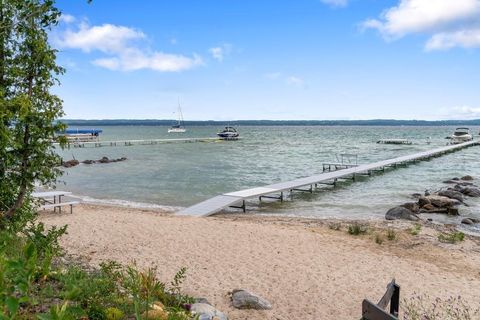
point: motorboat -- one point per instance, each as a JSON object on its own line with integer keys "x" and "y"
{"x": 461, "y": 135}
{"x": 178, "y": 127}
{"x": 228, "y": 133}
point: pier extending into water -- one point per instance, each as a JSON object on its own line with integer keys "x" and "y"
{"x": 276, "y": 191}
{"x": 123, "y": 143}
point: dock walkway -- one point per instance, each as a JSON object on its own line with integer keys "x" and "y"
{"x": 276, "y": 190}
{"x": 118, "y": 143}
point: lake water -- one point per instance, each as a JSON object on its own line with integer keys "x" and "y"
{"x": 182, "y": 174}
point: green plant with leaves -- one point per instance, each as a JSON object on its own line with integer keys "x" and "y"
{"x": 391, "y": 234}
{"x": 28, "y": 109}
{"x": 451, "y": 237}
{"x": 357, "y": 229}
{"x": 415, "y": 230}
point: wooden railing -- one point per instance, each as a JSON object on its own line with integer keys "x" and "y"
{"x": 372, "y": 311}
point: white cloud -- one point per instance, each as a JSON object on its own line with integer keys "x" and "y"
{"x": 449, "y": 22}
{"x": 460, "y": 113}
{"x": 218, "y": 53}
{"x": 294, "y": 81}
{"x": 121, "y": 44}
{"x": 67, "y": 18}
{"x": 336, "y": 3}
{"x": 447, "y": 40}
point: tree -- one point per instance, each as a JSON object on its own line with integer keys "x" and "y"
{"x": 28, "y": 110}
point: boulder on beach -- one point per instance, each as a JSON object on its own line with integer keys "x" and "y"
{"x": 206, "y": 312}
{"x": 423, "y": 201}
{"x": 70, "y": 163}
{"x": 401, "y": 213}
{"x": 242, "y": 299}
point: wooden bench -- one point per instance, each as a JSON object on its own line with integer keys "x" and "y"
{"x": 372, "y": 311}
{"x": 60, "y": 205}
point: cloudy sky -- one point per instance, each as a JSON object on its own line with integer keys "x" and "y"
{"x": 270, "y": 59}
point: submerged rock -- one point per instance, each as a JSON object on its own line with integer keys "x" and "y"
{"x": 466, "y": 178}
{"x": 442, "y": 202}
{"x": 401, "y": 213}
{"x": 467, "y": 221}
{"x": 468, "y": 190}
{"x": 243, "y": 299}
{"x": 88, "y": 161}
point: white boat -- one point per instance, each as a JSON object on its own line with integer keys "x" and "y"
{"x": 461, "y": 135}
{"x": 228, "y": 133}
{"x": 178, "y": 127}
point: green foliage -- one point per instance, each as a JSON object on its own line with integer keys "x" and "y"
{"x": 391, "y": 234}
{"x": 451, "y": 237}
{"x": 334, "y": 226}
{"x": 378, "y": 238}
{"x": 357, "y": 229}
{"x": 416, "y": 229}
{"x": 28, "y": 109}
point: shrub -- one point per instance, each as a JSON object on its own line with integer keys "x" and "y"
{"x": 391, "y": 234}
{"x": 357, "y": 229}
{"x": 416, "y": 229}
{"x": 335, "y": 226}
{"x": 378, "y": 238}
{"x": 451, "y": 237}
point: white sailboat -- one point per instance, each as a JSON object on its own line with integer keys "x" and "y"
{"x": 178, "y": 127}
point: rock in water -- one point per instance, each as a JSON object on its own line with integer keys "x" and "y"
{"x": 412, "y": 206}
{"x": 70, "y": 163}
{"x": 466, "y": 178}
{"x": 452, "y": 194}
{"x": 207, "y": 312}
{"x": 243, "y": 299}
{"x": 442, "y": 202}
{"x": 88, "y": 161}
{"x": 401, "y": 213}
{"x": 423, "y": 201}
{"x": 471, "y": 191}
{"x": 467, "y": 221}
{"x": 104, "y": 160}
{"x": 453, "y": 212}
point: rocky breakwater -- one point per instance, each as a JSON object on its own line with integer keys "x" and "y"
{"x": 74, "y": 162}
{"x": 446, "y": 201}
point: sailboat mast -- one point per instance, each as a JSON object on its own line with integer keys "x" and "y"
{"x": 180, "y": 119}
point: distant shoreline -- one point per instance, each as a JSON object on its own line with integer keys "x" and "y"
{"x": 373, "y": 122}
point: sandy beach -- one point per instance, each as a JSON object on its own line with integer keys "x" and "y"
{"x": 304, "y": 268}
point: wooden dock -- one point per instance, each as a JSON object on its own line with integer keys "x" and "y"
{"x": 307, "y": 184}
{"x": 123, "y": 143}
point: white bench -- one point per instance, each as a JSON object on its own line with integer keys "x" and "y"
{"x": 60, "y": 205}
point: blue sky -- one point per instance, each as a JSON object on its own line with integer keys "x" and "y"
{"x": 250, "y": 59}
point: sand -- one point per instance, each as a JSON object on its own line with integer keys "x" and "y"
{"x": 304, "y": 268}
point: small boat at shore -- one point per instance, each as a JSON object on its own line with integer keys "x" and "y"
{"x": 461, "y": 135}
{"x": 228, "y": 133}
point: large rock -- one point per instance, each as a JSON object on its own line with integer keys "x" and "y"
{"x": 468, "y": 190}
{"x": 412, "y": 206}
{"x": 452, "y": 194}
{"x": 206, "y": 312}
{"x": 243, "y": 299}
{"x": 466, "y": 178}
{"x": 70, "y": 163}
{"x": 401, "y": 213}
{"x": 442, "y": 202}
{"x": 467, "y": 221}
{"x": 104, "y": 160}
{"x": 423, "y": 201}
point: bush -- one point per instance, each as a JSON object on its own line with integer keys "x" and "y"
{"x": 416, "y": 229}
{"x": 378, "y": 238}
{"x": 391, "y": 234}
{"x": 357, "y": 229}
{"x": 451, "y": 237}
